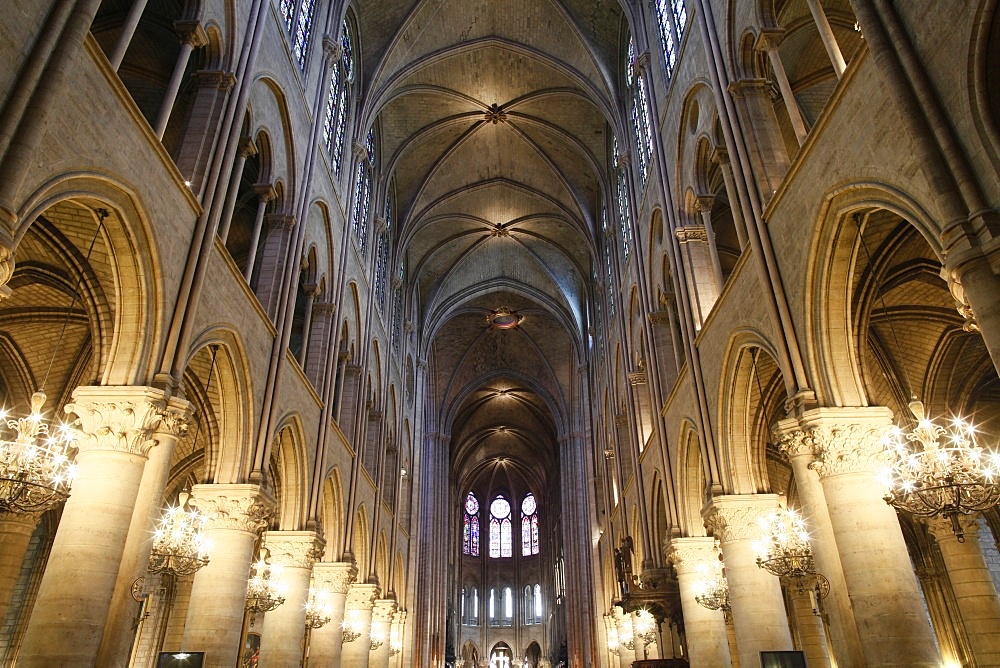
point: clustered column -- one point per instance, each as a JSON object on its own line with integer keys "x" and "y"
{"x": 284, "y": 627}
{"x": 888, "y": 605}
{"x": 382, "y": 615}
{"x": 358, "y": 616}
{"x": 754, "y": 594}
{"x": 73, "y": 603}
{"x": 326, "y": 642}
{"x": 237, "y": 513}
{"x": 705, "y": 629}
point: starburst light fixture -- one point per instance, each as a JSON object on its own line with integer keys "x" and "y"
{"x": 319, "y": 610}
{"x": 264, "y": 593}
{"x": 711, "y": 588}
{"x": 644, "y": 626}
{"x": 377, "y": 640}
{"x": 784, "y": 549}
{"x": 179, "y": 543}
{"x": 36, "y": 468}
{"x": 940, "y": 471}
{"x": 614, "y": 646}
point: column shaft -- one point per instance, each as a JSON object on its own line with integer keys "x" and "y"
{"x": 828, "y": 38}
{"x": 128, "y": 31}
{"x": 358, "y": 616}
{"x": 283, "y": 637}
{"x": 15, "y": 536}
{"x": 812, "y": 634}
{"x": 768, "y": 41}
{"x": 173, "y": 88}
{"x": 705, "y": 629}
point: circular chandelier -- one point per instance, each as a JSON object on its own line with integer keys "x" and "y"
{"x": 937, "y": 470}
{"x": 263, "y": 592}
{"x": 711, "y": 590}
{"x": 36, "y": 469}
{"x": 784, "y": 550}
{"x": 319, "y": 610}
{"x": 179, "y": 543}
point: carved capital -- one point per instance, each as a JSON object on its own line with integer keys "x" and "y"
{"x": 637, "y": 378}
{"x": 191, "y": 32}
{"x": 336, "y": 577}
{"x": 246, "y": 148}
{"x": 720, "y": 155}
{"x": 234, "y": 507}
{"x": 704, "y": 203}
{"x": 791, "y": 440}
{"x": 736, "y": 516}
{"x": 360, "y": 151}
{"x": 281, "y": 221}
{"x": 362, "y": 596}
{"x": 120, "y": 419}
{"x": 217, "y": 79}
{"x": 942, "y": 530}
{"x": 621, "y": 420}
{"x": 660, "y": 318}
{"x": 354, "y": 370}
{"x": 332, "y": 50}
{"x": 6, "y": 264}
{"x": 847, "y": 440}
{"x": 642, "y": 63}
{"x": 384, "y": 610}
{"x": 686, "y": 553}
{"x": 376, "y": 415}
{"x": 750, "y": 88}
{"x": 769, "y": 39}
{"x": 324, "y": 308}
{"x": 624, "y": 160}
{"x": 265, "y": 191}
{"x": 175, "y": 418}
{"x": 294, "y": 549}
{"x": 691, "y": 233}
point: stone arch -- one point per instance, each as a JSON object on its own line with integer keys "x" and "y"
{"x": 659, "y": 517}
{"x": 691, "y": 483}
{"x": 123, "y": 261}
{"x": 382, "y": 561}
{"x": 333, "y": 516}
{"x": 747, "y": 410}
{"x": 359, "y": 540}
{"x": 834, "y": 355}
{"x": 984, "y": 56}
{"x": 287, "y": 475}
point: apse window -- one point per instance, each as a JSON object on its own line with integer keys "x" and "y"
{"x": 500, "y": 528}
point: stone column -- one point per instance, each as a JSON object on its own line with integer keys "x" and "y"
{"x": 754, "y": 594}
{"x": 623, "y": 623}
{"x": 705, "y": 629}
{"x": 358, "y": 615}
{"x": 973, "y": 586}
{"x": 720, "y": 156}
{"x": 272, "y": 268}
{"x": 74, "y": 597}
{"x": 128, "y": 32}
{"x": 828, "y": 38}
{"x": 192, "y": 36}
{"x": 281, "y": 642}
{"x": 265, "y": 193}
{"x": 644, "y": 417}
{"x": 117, "y": 641}
{"x": 385, "y": 610}
{"x": 703, "y": 205}
{"x": 693, "y": 240}
{"x": 811, "y": 632}
{"x": 236, "y": 515}
{"x": 15, "y": 536}
{"x": 326, "y": 642}
{"x": 245, "y": 150}
{"x": 768, "y": 41}
{"x": 888, "y": 605}
{"x": 312, "y": 291}
{"x": 793, "y": 442}
{"x": 396, "y": 638}
{"x": 766, "y": 145}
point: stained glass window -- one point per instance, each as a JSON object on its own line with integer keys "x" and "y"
{"x": 508, "y": 606}
{"x": 529, "y": 526}
{"x": 330, "y": 118}
{"x": 363, "y": 194}
{"x": 663, "y": 16}
{"x": 287, "y": 8}
{"x": 625, "y": 216}
{"x": 470, "y": 528}
{"x": 303, "y": 30}
{"x": 538, "y": 602}
{"x": 640, "y": 114}
{"x": 500, "y": 528}
{"x": 474, "y": 612}
{"x": 344, "y": 74}
{"x": 680, "y": 16}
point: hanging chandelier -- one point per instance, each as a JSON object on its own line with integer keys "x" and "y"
{"x": 644, "y": 627}
{"x": 626, "y": 637}
{"x": 36, "y": 469}
{"x": 614, "y": 646}
{"x": 395, "y": 643}
{"x": 179, "y": 543}
{"x": 784, "y": 549}
{"x": 377, "y": 640}
{"x": 940, "y": 471}
{"x": 263, "y": 592}
{"x": 711, "y": 589}
{"x": 319, "y": 610}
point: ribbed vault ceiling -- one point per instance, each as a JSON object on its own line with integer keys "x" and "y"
{"x": 496, "y": 136}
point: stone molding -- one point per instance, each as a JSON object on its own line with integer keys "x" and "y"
{"x": 690, "y": 233}
{"x": 335, "y": 576}
{"x": 191, "y": 32}
{"x": 360, "y": 151}
{"x": 720, "y": 155}
{"x": 624, "y": 159}
{"x": 686, "y": 553}
{"x": 704, "y": 203}
{"x": 294, "y": 549}
{"x": 847, "y": 440}
{"x": 325, "y": 309}
{"x": 361, "y": 596}
{"x": 265, "y": 191}
{"x": 750, "y": 88}
{"x": 218, "y": 79}
{"x": 235, "y": 507}
{"x": 735, "y": 517}
{"x": 659, "y": 318}
{"x": 332, "y": 50}
{"x": 791, "y": 440}
{"x": 941, "y": 528}
{"x": 124, "y": 418}
{"x": 621, "y": 420}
